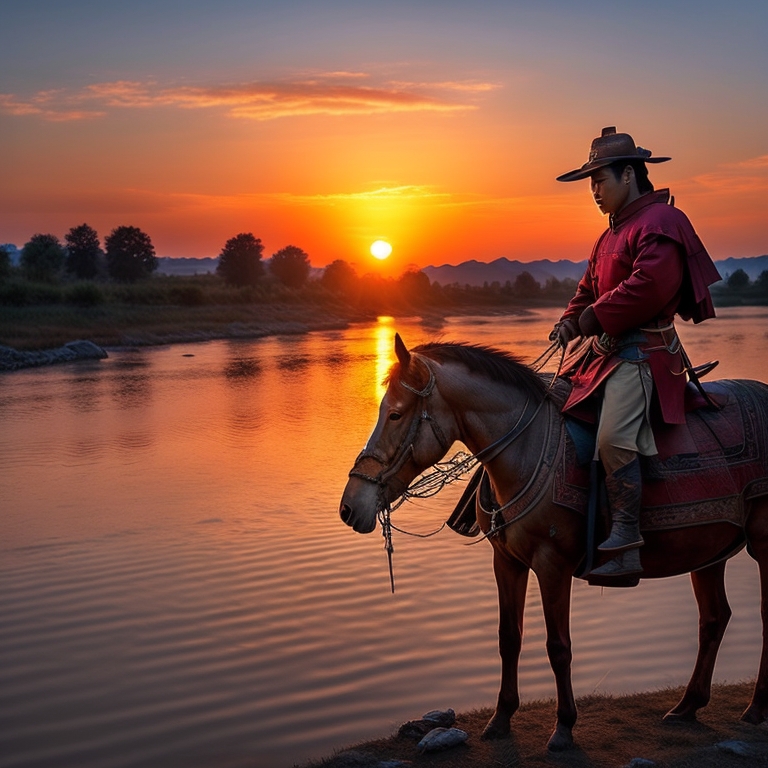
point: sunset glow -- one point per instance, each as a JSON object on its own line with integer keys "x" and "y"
{"x": 430, "y": 133}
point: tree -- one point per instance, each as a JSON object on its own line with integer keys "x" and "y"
{"x": 240, "y": 260}
{"x": 130, "y": 254}
{"x": 526, "y": 286}
{"x": 5, "y": 263}
{"x": 290, "y": 265}
{"x": 375, "y": 292}
{"x": 83, "y": 252}
{"x": 414, "y": 285}
{"x": 738, "y": 281}
{"x": 339, "y": 277}
{"x": 42, "y": 258}
{"x": 762, "y": 283}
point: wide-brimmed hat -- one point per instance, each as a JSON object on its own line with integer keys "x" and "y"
{"x": 608, "y": 148}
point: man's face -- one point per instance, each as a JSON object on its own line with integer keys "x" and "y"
{"x": 609, "y": 192}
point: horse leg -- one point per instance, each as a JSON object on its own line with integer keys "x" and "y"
{"x": 555, "y": 585}
{"x": 511, "y": 582}
{"x": 757, "y": 535}
{"x": 714, "y": 615}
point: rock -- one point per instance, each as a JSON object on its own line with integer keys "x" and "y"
{"x": 442, "y": 738}
{"x": 13, "y": 360}
{"x": 743, "y": 748}
{"x": 82, "y": 349}
{"x": 444, "y": 718}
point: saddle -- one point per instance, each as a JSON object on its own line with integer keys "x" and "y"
{"x": 705, "y": 471}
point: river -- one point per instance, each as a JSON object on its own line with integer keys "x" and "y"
{"x": 178, "y": 589}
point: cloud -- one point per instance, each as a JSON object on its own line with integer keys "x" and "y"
{"x": 203, "y": 201}
{"x": 466, "y": 86}
{"x": 334, "y": 93}
{"x": 44, "y": 104}
{"x": 746, "y": 176}
{"x": 381, "y": 194}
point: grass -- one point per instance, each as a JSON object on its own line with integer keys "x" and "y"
{"x": 166, "y": 309}
{"x": 610, "y": 732}
{"x": 161, "y": 310}
{"x": 48, "y": 326}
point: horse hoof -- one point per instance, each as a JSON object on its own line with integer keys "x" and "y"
{"x": 753, "y": 715}
{"x": 497, "y": 728}
{"x": 560, "y": 740}
{"x": 683, "y": 716}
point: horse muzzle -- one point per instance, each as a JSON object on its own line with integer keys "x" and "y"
{"x": 359, "y": 506}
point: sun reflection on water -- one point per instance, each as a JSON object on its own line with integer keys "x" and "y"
{"x": 384, "y": 336}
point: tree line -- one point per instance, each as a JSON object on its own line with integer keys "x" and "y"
{"x": 128, "y": 256}
{"x": 738, "y": 288}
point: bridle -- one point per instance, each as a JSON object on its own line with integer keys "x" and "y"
{"x": 403, "y": 453}
{"x": 405, "y": 450}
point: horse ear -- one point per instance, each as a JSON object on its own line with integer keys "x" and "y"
{"x": 403, "y": 355}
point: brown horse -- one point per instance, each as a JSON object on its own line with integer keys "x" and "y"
{"x": 441, "y": 393}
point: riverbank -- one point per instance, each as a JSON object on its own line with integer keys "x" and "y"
{"x": 44, "y": 327}
{"x": 611, "y": 732}
{"x": 128, "y": 325}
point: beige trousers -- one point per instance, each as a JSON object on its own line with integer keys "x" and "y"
{"x": 624, "y": 428}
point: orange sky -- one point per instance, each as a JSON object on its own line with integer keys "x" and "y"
{"x": 433, "y": 126}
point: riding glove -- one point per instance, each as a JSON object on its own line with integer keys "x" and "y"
{"x": 563, "y": 332}
{"x": 589, "y": 325}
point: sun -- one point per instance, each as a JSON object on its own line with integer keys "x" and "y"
{"x": 381, "y": 249}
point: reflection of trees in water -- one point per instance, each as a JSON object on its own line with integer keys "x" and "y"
{"x": 293, "y": 362}
{"x": 242, "y": 374}
{"x": 84, "y": 393}
{"x": 337, "y": 360}
{"x": 295, "y": 355}
{"x": 131, "y": 382}
{"x": 241, "y": 369}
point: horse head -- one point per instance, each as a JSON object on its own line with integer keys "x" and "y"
{"x": 414, "y": 430}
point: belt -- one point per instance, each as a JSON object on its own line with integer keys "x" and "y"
{"x": 658, "y": 326}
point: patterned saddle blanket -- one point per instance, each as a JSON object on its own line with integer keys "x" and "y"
{"x": 706, "y": 469}
{"x": 704, "y": 472}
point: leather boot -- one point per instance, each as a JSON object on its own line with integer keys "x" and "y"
{"x": 624, "y": 564}
{"x": 624, "y": 489}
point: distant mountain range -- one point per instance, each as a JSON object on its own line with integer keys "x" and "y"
{"x": 478, "y": 273}
{"x": 752, "y": 265}
{"x": 501, "y": 270}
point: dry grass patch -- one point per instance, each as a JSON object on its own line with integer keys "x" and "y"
{"x": 610, "y": 732}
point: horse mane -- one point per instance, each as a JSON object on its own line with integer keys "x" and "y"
{"x": 495, "y": 364}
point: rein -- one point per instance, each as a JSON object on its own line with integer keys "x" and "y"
{"x": 443, "y": 473}
{"x": 389, "y": 468}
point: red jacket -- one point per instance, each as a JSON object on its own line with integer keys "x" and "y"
{"x": 646, "y": 267}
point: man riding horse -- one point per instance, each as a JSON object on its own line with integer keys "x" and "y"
{"x": 648, "y": 266}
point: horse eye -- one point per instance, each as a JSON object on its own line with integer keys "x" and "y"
{"x": 395, "y": 416}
